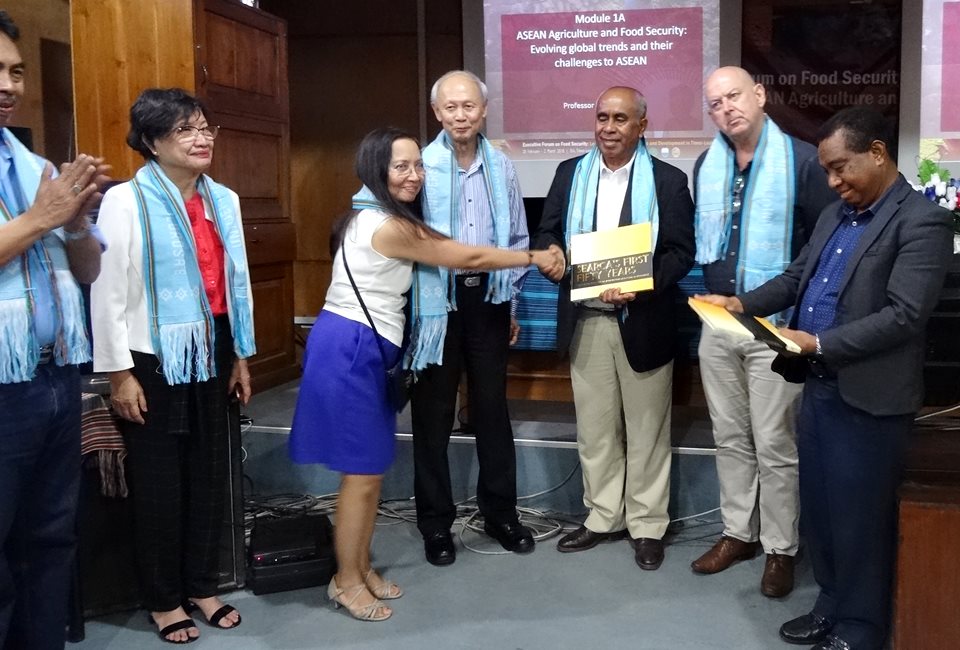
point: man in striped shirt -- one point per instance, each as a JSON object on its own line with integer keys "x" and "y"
{"x": 472, "y": 194}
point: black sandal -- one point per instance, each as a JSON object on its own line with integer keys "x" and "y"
{"x": 214, "y": 621}
{"x": 185, "y": 624}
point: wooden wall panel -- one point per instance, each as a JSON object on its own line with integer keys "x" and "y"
{"x": 353, "y": 67}
{"x": 332, "y": 107}
{"x": 275, "y": 361}
{"x": 242, "y": 59}
{"x": 38, "y": 20}
{"x": 928, "y": 569}
{"x": 250, "y": 157}
{"x": 121, "y": 48}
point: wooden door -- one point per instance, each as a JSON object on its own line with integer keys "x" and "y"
{"x": 241, "y": 67}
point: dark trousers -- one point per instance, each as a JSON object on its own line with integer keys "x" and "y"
{"x": 477, "y": 340}
{"x": 178, "y": 467}
{"x": 39, "y": 484}
{"x": 850, "y": 466}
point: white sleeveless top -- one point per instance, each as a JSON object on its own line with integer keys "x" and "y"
{"x": 382, "y": 281}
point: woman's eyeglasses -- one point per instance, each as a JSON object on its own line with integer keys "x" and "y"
{"x": 188, "y": 133}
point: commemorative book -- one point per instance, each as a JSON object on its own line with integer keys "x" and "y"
{"x": 617, "y": 258}
{"x": 720, "y": 318}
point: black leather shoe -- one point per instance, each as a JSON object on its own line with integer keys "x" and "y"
{"x": 511, "y": 535}
{"x": 648, "y": 553}
{"x": 439, "y": 548}
{"x": 806, "y": 630}
{"x": 583, "y": 539}
{"x": 832, "y": 642}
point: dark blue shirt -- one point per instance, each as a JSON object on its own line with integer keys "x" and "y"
{"x": 818, "y": 308}
{"x": 812, "y": 195}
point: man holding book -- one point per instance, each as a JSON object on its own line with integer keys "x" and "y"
{"x": 621, "y": 344}
{"x": 862, "y": 290}
{"x": 758, "y": 194}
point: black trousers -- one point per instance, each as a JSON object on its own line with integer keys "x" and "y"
{"x": 178, "y": 469}
{"x": 477, "y": 340}
{"x": 850, "y": 465}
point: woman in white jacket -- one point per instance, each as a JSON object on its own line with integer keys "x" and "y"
{"x": 172, "y": 321}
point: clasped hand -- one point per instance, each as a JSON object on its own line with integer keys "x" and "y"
{"x": 66, "y": 199}
{"x": 551, "y": 262}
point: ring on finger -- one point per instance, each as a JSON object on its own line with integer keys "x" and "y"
{"x": 77, "y": 188}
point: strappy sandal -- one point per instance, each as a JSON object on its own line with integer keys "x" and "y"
{"x": 185, "y": 624}
{"x": 386, "y": 590}
{"x": 214, "y": 620}
{"x": 366, "y": 613}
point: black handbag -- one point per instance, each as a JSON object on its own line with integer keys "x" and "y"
{"x": 399, "y": 379}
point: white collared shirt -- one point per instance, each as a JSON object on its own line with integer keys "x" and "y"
{"x": 611, "y": 192}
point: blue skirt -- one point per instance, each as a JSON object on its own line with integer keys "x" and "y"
{"x": 342, "y": 418}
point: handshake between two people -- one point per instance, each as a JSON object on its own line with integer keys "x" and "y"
{"x": 551, "y": 262}
{"x": 557, "y": 267}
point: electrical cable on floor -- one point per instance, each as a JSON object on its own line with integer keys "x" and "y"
{"x": 936, "y": 413}
{"x": 541, "y": 524}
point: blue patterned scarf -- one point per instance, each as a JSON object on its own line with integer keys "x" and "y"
{"x": 433, "y": 294}
{"x": 19, "y": 350}
{"x": 582, "y": 207}
{"x": 766, "y": 217}
{"x": 181, "y": 323}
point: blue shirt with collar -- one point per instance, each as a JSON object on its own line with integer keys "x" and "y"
{"x": 818, "y": 308}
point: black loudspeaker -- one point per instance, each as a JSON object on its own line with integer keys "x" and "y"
{"x": 105, "y": 550}
{"x": 941, "y": 369}
{"x": 291, "y": 553}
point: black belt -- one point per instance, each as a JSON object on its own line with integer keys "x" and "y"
{"x": 470, "y": 279}
{"x": 600, "y": 310}
{"x": 46, "y": 354}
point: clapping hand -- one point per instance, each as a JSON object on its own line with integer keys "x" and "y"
{"x": 60, "y": 200}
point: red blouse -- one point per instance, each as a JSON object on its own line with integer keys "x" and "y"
{"x": 209, "y": 255}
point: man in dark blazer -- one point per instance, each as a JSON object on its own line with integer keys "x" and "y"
{"x": 862, "y": 290}
{"x": 622, "y": 345}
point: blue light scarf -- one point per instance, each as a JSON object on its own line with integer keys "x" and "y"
{"x": 582, "y": 206}
{"x": 766, "y": 216}
{"x": 19, "y": 350}
{"x": 181, "y": 323}
{"x": 433, "y": 294}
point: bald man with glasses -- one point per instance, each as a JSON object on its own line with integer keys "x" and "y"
{"x": 758, "y": 193}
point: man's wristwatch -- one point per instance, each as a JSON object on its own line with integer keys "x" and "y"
{"x": 819, "y": 351}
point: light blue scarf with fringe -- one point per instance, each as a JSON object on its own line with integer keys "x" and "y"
{"x": 433, "y": 295}
{"x": 181, "y": 323}
{"x": 582, "y": 206}
{"x": 766, "y": 213}
{"x": 19, "y": 350}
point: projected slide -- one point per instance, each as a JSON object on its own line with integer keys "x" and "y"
{"x": 546, "y": 63}
{"x": 940, "y": 82}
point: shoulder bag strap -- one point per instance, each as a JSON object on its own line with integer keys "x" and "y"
{"x": 376, "y": 335}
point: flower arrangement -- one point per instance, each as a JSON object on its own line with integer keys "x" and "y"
{"x": 938, "y": 186}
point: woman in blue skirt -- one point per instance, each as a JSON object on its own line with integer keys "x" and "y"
{"x": 343, "y": 418}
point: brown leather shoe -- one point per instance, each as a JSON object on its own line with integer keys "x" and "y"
{"x": 777, "y": 579}
{"x": 724, "y": 553}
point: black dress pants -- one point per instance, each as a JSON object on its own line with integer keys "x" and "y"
{"x": 477, "y": 340}
{"x": 178, "y": 469}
